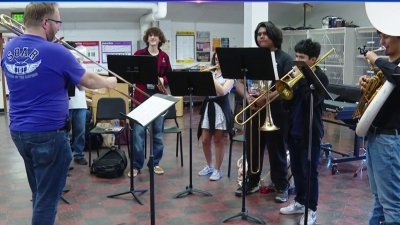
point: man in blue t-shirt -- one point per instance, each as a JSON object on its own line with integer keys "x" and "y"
{"x": 37, "y": 72}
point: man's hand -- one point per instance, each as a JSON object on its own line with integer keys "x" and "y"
{"x": 111, "y": 82}
{"x": 371, "y": 57}
{"x": 363, "y": 81}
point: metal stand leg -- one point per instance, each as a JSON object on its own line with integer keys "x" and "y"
{"x": 132, "y": 190}
{"x": 189, "y": 189}
{"x": 363, "y": 164}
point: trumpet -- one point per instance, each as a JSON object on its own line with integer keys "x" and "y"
{"x": 283, "y": 86}
{"x": 19, "y": 29}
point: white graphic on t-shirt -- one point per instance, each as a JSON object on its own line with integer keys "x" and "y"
{"x": 22, "y": 68}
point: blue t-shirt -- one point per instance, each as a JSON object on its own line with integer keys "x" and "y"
{"x": 37, "y": 72}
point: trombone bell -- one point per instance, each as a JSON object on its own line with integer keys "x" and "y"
{"x": 268, "y": 124}
{"x": 285, "y": 88}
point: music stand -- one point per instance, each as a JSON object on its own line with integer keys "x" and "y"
{"x": 135, "y": 69}
{"x": 132, "y": 182}
{"x": 315, "y": 85}
{"x": 197, "y": 84}
{"x": 243, "y": 63}
{"x": 144, "y": 114}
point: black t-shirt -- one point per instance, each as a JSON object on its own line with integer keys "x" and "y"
{"x": 388, "y": 116}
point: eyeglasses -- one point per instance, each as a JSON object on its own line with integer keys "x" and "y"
{"x": 55, "y": 21}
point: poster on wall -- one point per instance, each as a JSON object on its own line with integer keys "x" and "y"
{"x": 216, "y": 43}
{"x": 203, "y": 46}
{"x": 115, "y": 48}
{"x": 203, "y": 56}
{"x": 185, "y": 47}
{"x": 92, "y": 50}
{"x": 224, "y": 42}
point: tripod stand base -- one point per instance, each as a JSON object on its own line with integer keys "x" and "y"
{"x": 190, "y": 191}
{"x": 131, "y": 192}
{"x": 245, "y": 216}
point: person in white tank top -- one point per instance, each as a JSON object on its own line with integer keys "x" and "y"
{"x": 215, "y": 121}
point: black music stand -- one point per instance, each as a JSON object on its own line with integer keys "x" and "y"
{"x": 243, "y": 63}
{"x": 135, "y": 69}
{"x": 132, "y": 182}
{"x": 197, "y": 84}
{"x": 315, "y": 85}
{"x": 145, "y": 114}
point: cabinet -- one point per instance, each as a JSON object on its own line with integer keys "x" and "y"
{"x": 291, "y": 38}
{"x": 339, "y": 66}
{"x": 368, "y": 37}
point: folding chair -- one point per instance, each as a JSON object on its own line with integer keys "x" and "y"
{"x": 109, "y": 109}
{"x": 174, "y": 129}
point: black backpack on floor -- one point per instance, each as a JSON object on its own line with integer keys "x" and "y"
{"x": 111, "y": 164}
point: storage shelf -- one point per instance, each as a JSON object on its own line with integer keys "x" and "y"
{"x": 347, "y": 64}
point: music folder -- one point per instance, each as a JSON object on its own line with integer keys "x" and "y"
{"x": 152, "y": 108}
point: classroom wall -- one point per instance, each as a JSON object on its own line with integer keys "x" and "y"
{"x": 292, "y": 14}
{"x": 282, "y": 14}
{"x": 130, "y": 31}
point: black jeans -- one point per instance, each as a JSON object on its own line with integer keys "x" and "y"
{"x": 299, "y": 166}
{"x": 255, "y": 147}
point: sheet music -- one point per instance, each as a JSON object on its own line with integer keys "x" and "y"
{"x": 150, "y": 109}
{"x": 275, "y": 65}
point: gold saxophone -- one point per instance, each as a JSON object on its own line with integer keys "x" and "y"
{"x": 375, "y": 82}
{"x": 369, "y": 92}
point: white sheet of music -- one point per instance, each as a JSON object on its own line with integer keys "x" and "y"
{"x": 150, "y": 109}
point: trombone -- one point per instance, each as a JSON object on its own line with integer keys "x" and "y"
{"x": 268, "y": 126}
{"x": 283, "y": 86}
{"x": 19, "y": 29}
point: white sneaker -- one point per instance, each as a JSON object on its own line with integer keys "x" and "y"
{"x": 206, "y": 171}
{"x": 293, "y": 208}
{"x": 216, "y": 175}
{"x": 311, "y": 218}
{"x": 135, "y": 173}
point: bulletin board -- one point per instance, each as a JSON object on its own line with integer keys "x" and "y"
{"x": 115, "y": 48}
{"x": 185, "y": 46}
{"x": 93, "y": 50}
